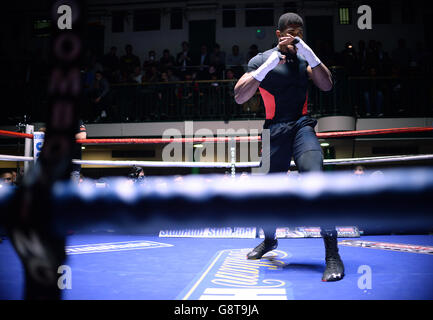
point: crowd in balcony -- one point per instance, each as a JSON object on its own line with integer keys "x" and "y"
{"x": 361, "y": 59}
{"x": 211, "y": 63}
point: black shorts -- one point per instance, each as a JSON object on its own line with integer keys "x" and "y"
{"x": 287, "y": 139}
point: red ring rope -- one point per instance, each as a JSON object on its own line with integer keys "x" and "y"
{"x": 322, "y": 135}
{"x": 328, "y": 135}
{"x": 168, "y": 140}
{"x": 15, "y": 134}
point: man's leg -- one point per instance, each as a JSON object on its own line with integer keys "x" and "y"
{"x": 334, "y": 265}
{"x": 279, "y": 157}
{"x": 308, "y": 161}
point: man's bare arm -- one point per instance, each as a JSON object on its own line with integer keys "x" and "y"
{"x": 321, "y": 77}
{"x": 245, "y": 88}
{"x": 247, "y": 85}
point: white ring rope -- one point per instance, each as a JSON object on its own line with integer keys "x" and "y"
{"x": 6, "y": 157}
{"x": 180, "y": 164}
{"x": 383, "y": 159}
{"x": 170, "y": 164}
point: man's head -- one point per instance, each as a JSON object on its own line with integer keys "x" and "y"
{"x": 98, "y": 75}
{"x": 290, "y": 23}
{"x": 359, "y": 170}
{"x": 164, "y": 76}
{"x": 136, "y": 172}
{"x": 6, "y": 178}
{"x": 229, "y": 74}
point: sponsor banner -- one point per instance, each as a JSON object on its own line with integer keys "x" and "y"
{"x": 230, "y": 276}
{"x": 388, "y": 246}
{"x": 313, "y": 232}
{"x": 38, "y": 142}
{"x": 244, "y": 233}
{"x": 114, "y": 246}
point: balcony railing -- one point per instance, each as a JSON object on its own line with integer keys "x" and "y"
{"x": 410, "y": 96}
{"x": 181, "y": 100}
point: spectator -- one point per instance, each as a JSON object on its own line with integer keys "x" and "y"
{"x": 150, "y": 61}
{"x": 137, "y": 75}
{"x": 129, "y": 61}
{"x": 136, "y": 174}
{"x": 235, "y": 61}
{"x": 384, "y": 61}
{"x": 232, "y": 108}
{"x": 171, "y": 75}
{"x": 202, "y": 60}
{"x": 6, "y": 178}
{"x": 101, "y": 88}
{"x": 164, "y": 96}
{"x": 218, "y": 59}
{"x": 167, "y": 60}
{"x": 183, "y": 58}
{"x": 214, "y": 94}
{"x": 359, "y": 171}
{"x": 374, "y": 92}
{"x": 14, "y": 177}
{"x": 163, "y": 77}
{"x": 230, "y": 75}
{"x": 152, "y": 74}
{"x": 111, "y": 63}
{"x": 371, "y": 56}
{"x": 211, "y": 73}
{"x": 188, "y": 94}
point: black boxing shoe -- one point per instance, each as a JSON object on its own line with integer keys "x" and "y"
{"x": 334, "y": 270}
{"x": 334, "y": 265}
{"x": 263, "y": 248}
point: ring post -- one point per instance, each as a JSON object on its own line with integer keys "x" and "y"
{"x": 38, "y": 141}
{"x": 28, "y": 147}
{"x": 233, "y": 158}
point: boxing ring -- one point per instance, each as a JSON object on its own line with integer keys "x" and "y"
{"x": 120, "y": 244}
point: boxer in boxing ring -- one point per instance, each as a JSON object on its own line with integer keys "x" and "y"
{"x": 281, "y": 74}
{"x": 38, "y": 214}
